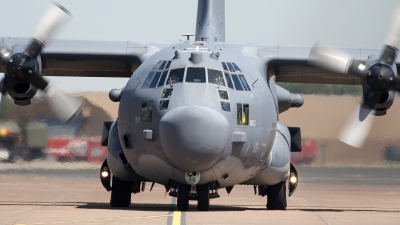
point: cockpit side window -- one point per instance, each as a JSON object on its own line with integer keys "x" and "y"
{"x": 237, "y": 83}
{"x": 226, "y": 106}
{"x": 229, "y": 80}
{"x": 230, "y": 67}
{"x": 239, "y": 111}
{"x": 167, "y": 66}
{"x": 236, "y": 67}
{"x": 162, "y": 79}
{"x": 196, "y": 75}
{"x": 245, "y": 117}
{"x": 235, "y": 80}
{"x": 244, "y": 82}
{"x": 157, "y": 76}
{"x": 176, "y": 75}
{"x": 154, "y": 82}
{"x": 157, "y": 66}
{"x": 162, "y": 65}
{"x": 223, "y": 95}
{"x": 147, "y": 111}
{"x": 147, "y": 81}
{"x": 224, "y": 66}
{"x": 215, "y": 77}
{"x": 242, "y": 114}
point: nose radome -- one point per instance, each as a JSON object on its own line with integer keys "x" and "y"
{"x": 193, "y": 137}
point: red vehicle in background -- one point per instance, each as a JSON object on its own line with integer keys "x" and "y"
{"x": 307, "y": 154}
{"x": 65, "y": 149}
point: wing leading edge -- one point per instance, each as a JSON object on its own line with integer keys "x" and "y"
{"x": 83, "y": 58}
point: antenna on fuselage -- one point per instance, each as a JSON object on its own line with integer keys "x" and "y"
{"x": 187, "y": 36}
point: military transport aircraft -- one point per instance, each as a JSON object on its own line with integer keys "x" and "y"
{"x": 199, "y": 115}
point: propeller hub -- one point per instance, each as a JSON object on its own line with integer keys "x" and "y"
{"x": 380, "y": 77}
{"x": 20, "y": 67}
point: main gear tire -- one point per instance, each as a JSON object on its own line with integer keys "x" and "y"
{"x": 203, "y": 197}
{"x": 120, "y": 193}
{"x": 183, "y": 197}
{"x": 276, "y": 196}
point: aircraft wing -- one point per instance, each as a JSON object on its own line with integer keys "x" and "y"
{"x": 84, "y": 58}
{"x": 290, "y": 63}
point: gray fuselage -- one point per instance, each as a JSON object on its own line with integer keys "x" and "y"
{"x": 204, "y": 125}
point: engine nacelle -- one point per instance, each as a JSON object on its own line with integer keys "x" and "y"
{"x": 287, "y": 100}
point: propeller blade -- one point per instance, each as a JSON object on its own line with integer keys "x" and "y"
{"x": 357, "y": 127}
{"x": 335, "y": 60}
{"x": 396, "y": 84}
{"x": 393, "y": 36}
{"x": 5, "y": 54}
{"x": 392, "y": 41}
{"x": 54, "y": 18}
{"x": 330, "y": 58}
{"x": 38, "y": 81}
{"x": 2, "y": 87}
{"x": 65, "y": 105}
{"x": 5, "y": 84}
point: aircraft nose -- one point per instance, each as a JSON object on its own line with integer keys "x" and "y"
{"x": 193, "y": 137}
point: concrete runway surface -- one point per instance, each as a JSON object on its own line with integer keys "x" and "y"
{"x": 75, "y": 196}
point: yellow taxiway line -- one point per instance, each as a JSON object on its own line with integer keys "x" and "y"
{"x": 176, "y": 220}
{"x": 101, "y": 220}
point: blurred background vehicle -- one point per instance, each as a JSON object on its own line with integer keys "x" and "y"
{"x": 33, "y": 132}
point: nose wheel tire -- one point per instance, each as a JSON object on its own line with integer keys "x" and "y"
{"x": 276, "y": 196}
{"x": 203, "y": 195}
{"x": 183, "y": 197}
{"x": 120, "y": 193}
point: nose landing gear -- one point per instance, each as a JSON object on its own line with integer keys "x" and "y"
{"x": 201, "y": 193}
{"x": 183, "y": 197}
{"x": 203, "y": 197}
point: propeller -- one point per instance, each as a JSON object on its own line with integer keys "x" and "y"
{"x": 22, "y": 66}
{"x": 377, "y": 77}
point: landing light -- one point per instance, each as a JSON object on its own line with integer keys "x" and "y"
{"x": 293, "y": 179}
{"x": 104, "y": 174}
{"x": 3, "y": 132}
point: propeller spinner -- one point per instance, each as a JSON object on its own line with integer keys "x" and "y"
{"x": 21, "y": 67}
{"x": 378, "y": 79}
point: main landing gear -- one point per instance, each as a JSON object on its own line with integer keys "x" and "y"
{"x": 276, "y": 196}
{"x": 120, "y": 193}
{"x": 186, "y": 193}
{"x": 183, "y": 197}
{"x": 203, "y": 197}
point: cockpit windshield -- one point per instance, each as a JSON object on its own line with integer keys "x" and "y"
{"x": 196, "y": 75}
{"x": 231, "y": 76}
{"x": 215, "y": 77}
{"x": 176, "y": 75}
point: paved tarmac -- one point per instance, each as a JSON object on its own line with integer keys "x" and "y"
{"x": 75, "y": 196}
